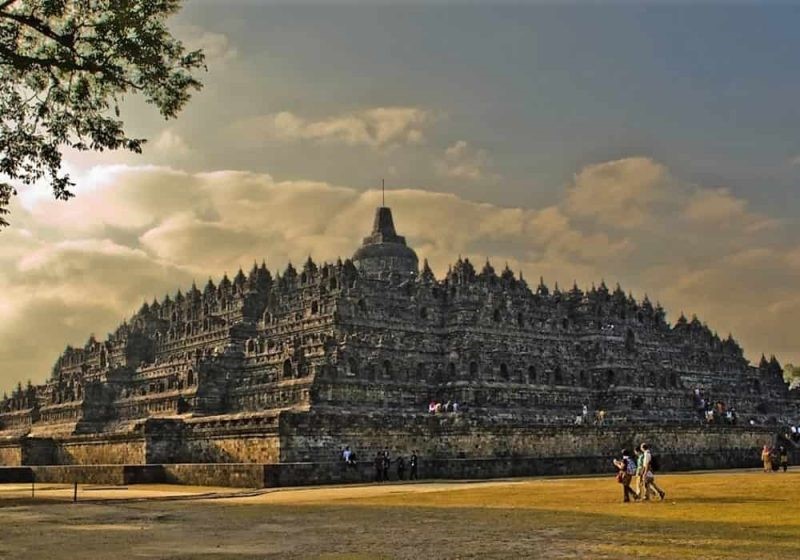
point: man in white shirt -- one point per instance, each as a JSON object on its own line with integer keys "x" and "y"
{"x": 648, "y": 478}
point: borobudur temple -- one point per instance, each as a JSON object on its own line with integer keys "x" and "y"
{"x": 288, "y": 368}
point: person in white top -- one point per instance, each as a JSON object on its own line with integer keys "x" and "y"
{"x": 648, "y": 477}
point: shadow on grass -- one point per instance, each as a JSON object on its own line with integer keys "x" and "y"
{"x": 540, "y": 521}
{"x": 542, "y": 533}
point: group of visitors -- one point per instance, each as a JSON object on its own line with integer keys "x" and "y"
{"x": 383, "y": 463}
{"x": 638, "y": 469}
{"x": 583, "y": 419}
{"x": 436, "y": 407}
{"x": 713, "y": 412}
{"x": 775, "y": 458}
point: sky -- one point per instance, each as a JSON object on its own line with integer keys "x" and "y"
{"x": 653, "y": 145}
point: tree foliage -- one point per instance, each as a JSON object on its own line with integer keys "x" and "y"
{"x": 791, "y": 374}
{"x": 65, "y": 67}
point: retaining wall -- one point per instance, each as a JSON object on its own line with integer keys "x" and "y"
{"x": 249, "y": 475}
{"x": 237, "y": 475}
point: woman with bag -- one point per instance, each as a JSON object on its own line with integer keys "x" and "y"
{"x": 626, "y": 468}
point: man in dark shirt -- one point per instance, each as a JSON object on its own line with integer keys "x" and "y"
{"x": 378, "y": 467}
{"x": 401, "y": 468}
{"x": 386, "y": 463}
{"x": 412, "y": 463}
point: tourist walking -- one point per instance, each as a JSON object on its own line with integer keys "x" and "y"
{"x": 766, "y": 458}
{"x": 784, "y": 458}
{"x": 412, "y": 463}
{"x": 649, "y": 465}
{"x": 401, "y": 468}
{"x": 638, "y": 478}
{"x": 626, "y": 468}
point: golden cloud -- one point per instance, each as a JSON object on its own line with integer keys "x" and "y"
{"x": 619, "y": 193}
{"x": 462, "y": 161}
{"x": 379, "y": 127}
{"x": 719, "y": 208}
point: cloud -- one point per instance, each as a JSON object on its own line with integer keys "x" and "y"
{"x": 462, "y": 161}
{"x": 379, "y": 127}
{"x": 618, "y": 193}
{"x": 639, "y": 193}
{"x": 719, "y": 208}
{"x": 714, "y": 206}
{"x": 169, "y": 145}
{"x": 135, "y": 232}
{"x": 60, "y": 292}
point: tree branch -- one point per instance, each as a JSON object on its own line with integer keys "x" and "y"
{"x": 36, "y": 24}
{"x": 24, "y": 62}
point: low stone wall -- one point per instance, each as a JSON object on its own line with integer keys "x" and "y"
{"x": 114, "y": 475}
{"x": 561, "y": 466}
{"x": 82, "y": 474}
{"x": 237, "y": 475}
{"x": 301, "y": 474}
{"x": 15, "y": 475}
{"x": 11, "y": 452}
{"x": 242, "y": 475}
{"x": 250, "y": 475}
{"x": 305, "y": 474}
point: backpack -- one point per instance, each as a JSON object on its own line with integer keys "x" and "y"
{"x": 655, "y": 463}
{"x": 630, "y": 466}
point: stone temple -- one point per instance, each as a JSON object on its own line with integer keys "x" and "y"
{"x": 291, "y": 367}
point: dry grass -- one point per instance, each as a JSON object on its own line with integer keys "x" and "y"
{"x": 712, "y": 515}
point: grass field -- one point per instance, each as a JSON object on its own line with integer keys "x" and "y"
{"x": 736, "y": 514}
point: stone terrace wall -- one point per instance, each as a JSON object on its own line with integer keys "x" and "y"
{"x": 103, "y": 450}
{"x": 11, "y": 452}
{"x": 157, "y": 441}
{"x": 304, "y": 448}
{"x": 232, "y": 440}
{"x": 304, "y": 474}
{"x": 120, "y": 449}
{"x": 237, "y": 475}
{"x": 228, "y": 448}
{"x": 83, "y": 474}
{"x": 319, "y": 437}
